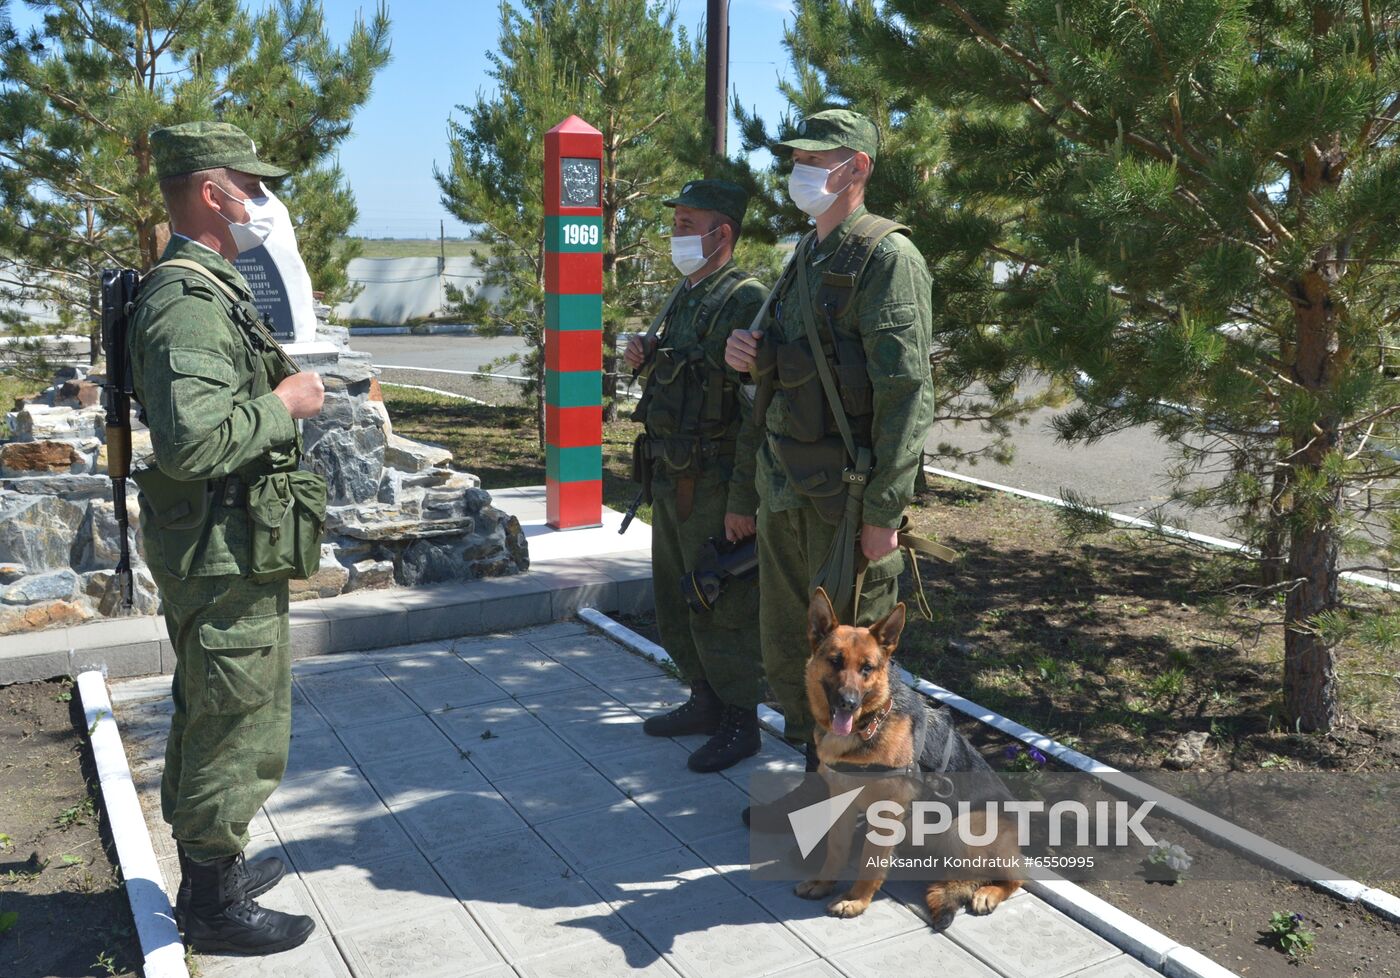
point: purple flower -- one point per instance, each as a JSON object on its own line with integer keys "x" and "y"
{"x": 1296, "y": 918}
{"x": 1037, "y": 756}
{"x": 1011, "y": 751}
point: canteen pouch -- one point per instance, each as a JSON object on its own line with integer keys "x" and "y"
{"x": 815, "y": 469}
{"x": 286, "y": 513}
{"x": 806, "y": 404}
{"x": 179, "y": 510}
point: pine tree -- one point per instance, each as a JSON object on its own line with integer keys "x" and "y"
{"x": 979, "y": 376}
{"x": 80, "y": 94}
{"x": 626, "y": 68}
{"x": 1199, "y": 199}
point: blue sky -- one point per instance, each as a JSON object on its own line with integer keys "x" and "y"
{"x": 440, "y": 61}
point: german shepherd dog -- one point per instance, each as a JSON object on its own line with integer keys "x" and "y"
{"x": 869, "y": 722}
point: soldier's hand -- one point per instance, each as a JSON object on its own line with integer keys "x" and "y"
{"x": 303, "y": 394}
{"x": 876, "y": 541}
{"x": 636, "y": 353}
{"x": 741, "y": 350}
{"x": 738, "y": 527}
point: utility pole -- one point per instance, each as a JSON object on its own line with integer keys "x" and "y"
{"x": 717, "y": 73}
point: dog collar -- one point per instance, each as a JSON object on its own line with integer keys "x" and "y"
{"x": 871, "y": 728}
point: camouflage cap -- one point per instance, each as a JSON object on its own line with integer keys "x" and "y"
{"x": 832, "y": 129}
{"x": 729, "y": 199}
{"x": 192, "y": 146}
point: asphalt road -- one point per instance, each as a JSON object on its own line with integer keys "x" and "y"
{"x": 1126, "y": 473}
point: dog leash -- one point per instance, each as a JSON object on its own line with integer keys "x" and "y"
{"x": 912, "y": 544}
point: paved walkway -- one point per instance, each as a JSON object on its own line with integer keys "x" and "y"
{"x": 489, "y": 807}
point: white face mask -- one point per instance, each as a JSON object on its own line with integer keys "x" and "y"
{"x": 807, "y": 188}
{"x": 688, "y": 252}
{"x": 264, "y": 214}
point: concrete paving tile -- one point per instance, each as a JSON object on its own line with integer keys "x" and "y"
{"x": 466, "y": 689}
{"x": 315, "y": 751}
{"x": 1122, "y": 966}
{"x": 402, "y": 887}
{"x": 737, "y": 939}
{"x": 655, "y": 762}
{"x": 138, "y": 690}
{"x": 664, "y": 884}
{"x": 427, "y": 666}
{"x": 469, "y": 722}
{"x": 412, "y": 650}
{"x": 444, "y": 944}
{"x": 400, "y": 781}
{"x": 775, "y": 756}
{"x": 531, "y": 673}
{"x": 610, "y": 835}
{"x": 812, "y": 969}
{"x": 392, "y": 738}
{"x": 340, "y": 794}
{"x": 443, "y": 823}
{"x": 545, "y": 917}
{"x": 384, "y": 703}
{"x": 603, "y": 735}
{"x": 478, "y": 650}
{"x": 614, "y": 956}
{"x": 558, "y": 629}
{"x": 652, "y": 695}
{"x": 315, "y": 959}
{"x": 488, "y": 867}
{"x": 728, "y": 853}
{"x": 576, "y": 703}
{"x": 306, "y": 718}
{"x": 556, "y": 792}
{"x": 828, "y": 935}
{"x": 514, "y": 750}
{"x": 919, "y": 953}
{"x": 332, "y": 685}
{"x": 1029, "y": 939}
{"x": 599, "y": 659}
{"x": 331, "y": 662}
{"x": 340, "y": 844}
{"x": 694, "y": 811}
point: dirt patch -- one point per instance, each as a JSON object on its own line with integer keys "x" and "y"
{"x": 60, "y": 892}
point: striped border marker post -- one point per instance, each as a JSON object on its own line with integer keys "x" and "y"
{"x": 573, "y": 321}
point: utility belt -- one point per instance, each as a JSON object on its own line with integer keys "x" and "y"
{"x": 286, "y": 512}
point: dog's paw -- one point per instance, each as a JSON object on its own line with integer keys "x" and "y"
{"x": 814, "y": 889}
{"x": 985, "y": 900}
{"x": 848, "y": 908}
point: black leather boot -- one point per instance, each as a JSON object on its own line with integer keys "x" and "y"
{"x": 772, "y": 817}
{"x": 257, "y": 878}
{"x": 223, "y": 918}
{"x": 736, "y": 739}
{"x": 698, "y": 715}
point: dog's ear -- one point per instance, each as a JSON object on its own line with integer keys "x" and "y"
{"x": 886, "y": 631}
{"x": 821, "y": 617}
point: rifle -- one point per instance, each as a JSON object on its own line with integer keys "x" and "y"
{"x": 118, "y": 291}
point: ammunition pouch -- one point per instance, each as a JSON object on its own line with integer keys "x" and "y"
{"x": 816, "y": 470}
{"x": 179, "y": 511}
{"x": 809, "y": 418}
{"x": 286, "y": 514}
{"x": 641, "y": 467}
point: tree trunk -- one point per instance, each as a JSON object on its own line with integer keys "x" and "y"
{"x": 1309, "y": 665}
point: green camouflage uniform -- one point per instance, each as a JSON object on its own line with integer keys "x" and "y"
{"x": 891, "y": 313}
{"x": 212, "y": 415}
{"x": 718, "y": 646}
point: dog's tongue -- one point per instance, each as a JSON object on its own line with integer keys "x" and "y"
{"x": 842, "y": 722}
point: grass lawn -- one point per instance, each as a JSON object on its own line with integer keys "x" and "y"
{"x": 414, "y": 248}
{"x": 1117, "y": 644}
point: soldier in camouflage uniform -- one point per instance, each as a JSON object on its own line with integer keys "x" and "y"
{"x": 701, "y": 455}
{"x": 859, "y": 285}
{"x": 216, "y": 420}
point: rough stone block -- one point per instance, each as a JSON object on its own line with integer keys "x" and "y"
{"x": 59, "y": 585}
{"x": 328, "y": 581}
{"x": 370, "y": 575}
{"x": 413, "y": 456}
{"x": 35, "y": 617}
{"x": 26, "y": 458}
{"x": 38, "y": 531}
{"x": 68, "y": 486}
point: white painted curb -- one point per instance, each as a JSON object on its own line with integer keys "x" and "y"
{"x": 161, "y": 945}
{"x": 1171, "y": 531}
{"x": 434, "y": 390}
